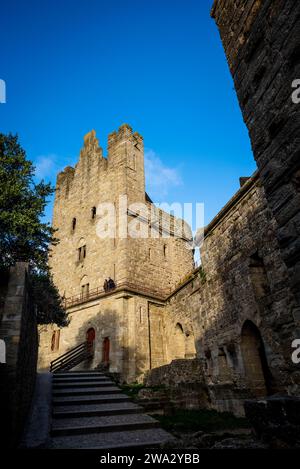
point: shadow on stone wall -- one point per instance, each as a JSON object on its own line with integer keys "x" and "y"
{"x": 19, "y": 331}
{"x": 125, "y": 362}
{"x": 260, "y": 298}
{"x": 244, "y": 280}
{"x": 178, "y": 385}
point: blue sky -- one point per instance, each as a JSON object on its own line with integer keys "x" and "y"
{"x": 159, "y": 65}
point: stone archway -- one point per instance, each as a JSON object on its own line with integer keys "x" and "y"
{"x": 255, "y": 362}
{"x": 179, "y": 342}
{"x": 183, "y": 343}
{"x": 190, "y": 349}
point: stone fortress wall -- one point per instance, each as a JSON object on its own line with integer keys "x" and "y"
{"x": 145, "y": 271}
{"x": 239, "y": 312}
{"x": 237, "y": 306}
{"x": 233, "y": 313}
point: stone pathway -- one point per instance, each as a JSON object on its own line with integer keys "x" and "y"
{"x": 90, "y": 411}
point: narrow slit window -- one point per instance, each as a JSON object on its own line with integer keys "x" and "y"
{"x": 81, "y": 253}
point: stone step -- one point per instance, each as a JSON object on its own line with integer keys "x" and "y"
{"x": 149, "y": 438}
{"x": 79, "y": 374}
{"x": 87, "y": 384}
{"x": 84, "y": 425}
{"x": 120, "y": 408}
{"x": 85, "y": 391}
{"x": 79, "y": 379}
{"x": 77, "y": 400}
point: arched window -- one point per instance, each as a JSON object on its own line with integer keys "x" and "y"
{"x": 179, "y": 341}
{"x": 84, "y": 286}
{"x": 183, "y": 343}
{"x": 190, "y": 348}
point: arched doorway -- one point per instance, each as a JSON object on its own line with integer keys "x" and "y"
{"x": 105, "y": 351}
{"x": 255, "y": 361}
{"x": 90, "y": 338}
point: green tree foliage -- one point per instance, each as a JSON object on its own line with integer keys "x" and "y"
{"x": 50, "y": 308}
{"x": 23, "y": 236}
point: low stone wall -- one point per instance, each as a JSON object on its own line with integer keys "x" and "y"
{"x": 176, "y": 373}
{"x": 180, "y": 384}
{"x": 18, "y": 329}
{"x": 228, "y": 398}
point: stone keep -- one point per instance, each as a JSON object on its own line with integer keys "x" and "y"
{"x": 145, "y": 270}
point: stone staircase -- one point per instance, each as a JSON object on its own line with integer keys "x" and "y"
{"x": 90, "y": 411}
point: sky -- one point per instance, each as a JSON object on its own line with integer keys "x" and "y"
{"x": 72, "y": 65}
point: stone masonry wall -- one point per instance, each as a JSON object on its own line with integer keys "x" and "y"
{"x": 156, "y": 264}
{"x": 133, "y": 323}
{"x": 160, "y": 263}
{"x": 227, "y": 291}
{"x": 19, "y": 331}
{"x": 261, "y": 39}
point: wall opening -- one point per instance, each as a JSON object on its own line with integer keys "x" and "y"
{"x": 165, "y": 250}
{"x": 81, "y": 253}
{"x": 255, "y": 362}
{"x": 90, "y": 338}
{"x": 55, "y": 341}
{"x": 84, "y": 287}
{"x": 190, "y": 349}
{"x": 179, "y": 342}
{"x": 105, "y": 350}
{"x": 85, "y": 290}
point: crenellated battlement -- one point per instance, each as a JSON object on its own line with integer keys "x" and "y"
{"x": 66, "y": 176}
{"x": 91, "y": 146}
{"x": 91, "y": 157}
{"x": 124, "y": 132}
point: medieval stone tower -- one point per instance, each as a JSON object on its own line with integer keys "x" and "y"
{"x": 96, "y": 203}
